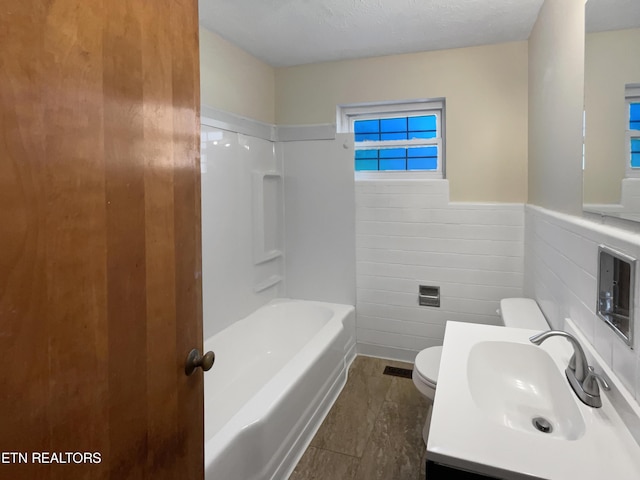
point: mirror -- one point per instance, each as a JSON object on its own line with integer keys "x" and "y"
{"x": 612, "y": 102}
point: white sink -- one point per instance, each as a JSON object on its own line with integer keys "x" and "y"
{"x": 492, "y": 382}
{"x": 514, "y": 383}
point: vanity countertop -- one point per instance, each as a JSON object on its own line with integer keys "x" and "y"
{"x": 462, "y": 436}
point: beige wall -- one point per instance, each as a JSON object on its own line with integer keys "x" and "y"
{"x": 611, "y": 62}
{"x": 235, "y": 81}
{"x": 486, "y": 119}
{"x": 556, "y": 96}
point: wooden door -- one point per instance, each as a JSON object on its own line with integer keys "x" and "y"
{"x": 100, "y": 292}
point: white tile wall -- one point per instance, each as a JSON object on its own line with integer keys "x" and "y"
{"x": 408, "y": 234}
{"x": 561, "y": 267}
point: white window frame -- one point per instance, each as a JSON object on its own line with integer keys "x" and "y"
{"x": 348, "y": 114}
{"x": 632, "y": 95}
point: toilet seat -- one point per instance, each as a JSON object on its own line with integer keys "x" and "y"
{"x": 427, "y": 365}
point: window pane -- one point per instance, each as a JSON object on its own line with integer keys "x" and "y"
{"x": 366, "y": 165}
{"x": 366, "y": 154}
{"x": 361, "y": 137}
{"x": 634, "y": 116}
{"x": 422, "y": 127}
{"x": 393, "y": 153}
{"x": 635, "y": 153}
{"x": 422, "y": 163}
{"x": 431, "y": 151}
{"x": 426, "y": 123}
{"x": 399, "y": 154}
{"x": 431, "y": 134}
{"x": 366, "y": 126}
{"x": 393, "y": 124}
{"x": 393, "y": 136}
{"x": 393, "y": 164}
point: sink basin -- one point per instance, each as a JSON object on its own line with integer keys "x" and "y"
{"x": 515, "y": 383}
{"x": 493, "y": 381}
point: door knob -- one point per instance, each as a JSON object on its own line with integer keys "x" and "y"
{"x": 195, "y": 360}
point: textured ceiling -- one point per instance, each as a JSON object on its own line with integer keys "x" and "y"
{"x": 294, "y": 32}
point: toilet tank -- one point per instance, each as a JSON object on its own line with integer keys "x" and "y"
{"x": 522, "y": 313}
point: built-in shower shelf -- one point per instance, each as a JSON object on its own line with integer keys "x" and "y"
{"x": 267, "y": 196}
{"x": 268, "y": 256}
{"x": 272, "y": 281}
{"x": 270, "y": 173}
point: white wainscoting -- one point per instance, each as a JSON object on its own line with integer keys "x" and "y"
{"x": 409, "y": 234}
{"x": 561, "y": 267}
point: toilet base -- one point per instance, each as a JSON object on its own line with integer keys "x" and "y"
{"x": 427, "y": 424}
{"x": 429, "y": 392}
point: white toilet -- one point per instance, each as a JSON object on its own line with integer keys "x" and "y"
{"x": 515, "y": 313}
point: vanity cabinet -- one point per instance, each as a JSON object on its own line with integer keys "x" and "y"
{"x": 436, "y": 471}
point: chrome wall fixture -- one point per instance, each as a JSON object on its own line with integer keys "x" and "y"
{"x": 429, "y": 296}
{"x": 616, "y": 285}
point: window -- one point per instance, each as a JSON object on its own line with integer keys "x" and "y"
{"x": 634, "y": 133}
{"x": 633, "y": 130}
{"x": 399, "y": 139}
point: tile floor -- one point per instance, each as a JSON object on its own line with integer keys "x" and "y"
{"x": 372, "y": 432}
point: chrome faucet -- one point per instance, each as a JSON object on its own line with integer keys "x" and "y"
{"x": 581, "y": 376}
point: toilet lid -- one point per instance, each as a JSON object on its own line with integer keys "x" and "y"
{"x": 427, "y": 364}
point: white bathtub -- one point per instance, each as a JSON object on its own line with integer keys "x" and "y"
{"x": 277, "y": 372}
